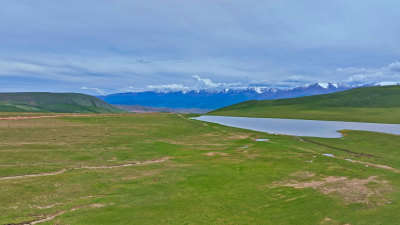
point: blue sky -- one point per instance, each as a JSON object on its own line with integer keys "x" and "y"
{"x": 106, "y": 46}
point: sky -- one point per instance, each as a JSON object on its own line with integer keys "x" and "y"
{"x": 107, "y": 46}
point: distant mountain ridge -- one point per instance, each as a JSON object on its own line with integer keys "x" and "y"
{"x": 214, "y": 99}
{"x": 53, "y": 102}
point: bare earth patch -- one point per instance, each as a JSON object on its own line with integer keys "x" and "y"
{"x": 88, "y": 167}
{"x": 216, "y": 153}
{"x": 238, "y": 136}
{"x": 368, "y": 191}
{"x": 45, "y": 207}
{"x": 329, "y": 221}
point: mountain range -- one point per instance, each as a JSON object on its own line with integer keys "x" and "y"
{"x": 210, "y": 99}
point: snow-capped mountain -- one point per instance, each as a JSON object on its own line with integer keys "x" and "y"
{"x": 213, "y": 99}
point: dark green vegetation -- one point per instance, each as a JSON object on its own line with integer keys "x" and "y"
{"x": 370, "y": 104}
{"x": 191, "y": 172}
{"x": 53, "y": 102}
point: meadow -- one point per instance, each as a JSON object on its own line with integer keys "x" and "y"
{"x": 168, "y": 169}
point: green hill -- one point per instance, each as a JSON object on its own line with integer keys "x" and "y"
{"x": 369, "y": 104}
{"x": 53, "y": 102}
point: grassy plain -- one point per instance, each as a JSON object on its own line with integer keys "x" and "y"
{"x": 168, "y": 169}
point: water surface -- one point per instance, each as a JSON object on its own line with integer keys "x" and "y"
{"x": 296, "y": 127}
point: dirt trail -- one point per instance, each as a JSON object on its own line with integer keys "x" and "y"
{"x": 87, "y": 167}
{"x": 34, "y": 175}
{"x": 38, "y": 117}
{"x": 340, "y": 149}
{"x": 54, "y": 215}
{"x": 181, "y": 116}
{"x": 385, "y": 167}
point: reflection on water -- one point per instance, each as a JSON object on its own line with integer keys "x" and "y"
{"x": 311, "y": 128}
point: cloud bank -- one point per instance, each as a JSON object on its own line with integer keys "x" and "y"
{"x": 121, "y": 45}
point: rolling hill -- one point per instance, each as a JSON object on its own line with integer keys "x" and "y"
{"x": 53, "y": 102}
{"x": 368, "y": 104}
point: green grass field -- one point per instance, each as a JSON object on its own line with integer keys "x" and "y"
{"x": 371, "y": 104}
{"x": 167, "y": 169}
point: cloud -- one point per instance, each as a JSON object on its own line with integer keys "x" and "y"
{"x": 114, "y": 45}
{"x": 207, "y": 83}
{"x": 291, "y": 81}
{"x": 200, "y": 84}
{"x": 394, "y": 67}
{"x": 142, "y": 61}
{"x": 389, "y": 73}
{"x": 97, "y": 90}
{"x": 172, "y": 87}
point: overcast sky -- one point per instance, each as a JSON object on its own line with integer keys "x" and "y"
{"x": 106, "y": 46}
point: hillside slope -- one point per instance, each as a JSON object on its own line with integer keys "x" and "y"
{"x": 53, "y": 102}
{"x": 369, "y": 104}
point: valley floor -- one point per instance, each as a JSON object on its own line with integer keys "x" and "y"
{"x": 168, "y": 169}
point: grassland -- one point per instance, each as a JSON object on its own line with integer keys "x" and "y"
{"x": 167, "y": 169}
{"x": 371, "y": 104}
{"x": 54, "y": 102}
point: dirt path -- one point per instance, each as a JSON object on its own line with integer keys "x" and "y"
{"x": 385, "y": 167}
{"x": 54, "y": 215}
{"x": 87, "y": 167}
{"x": 34, "y": 175}
{"x": 181, "y": 116}
{"x": 67, "y": 115}
{"x": 340, "y": 149}
{"x": 38, "y": 117}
